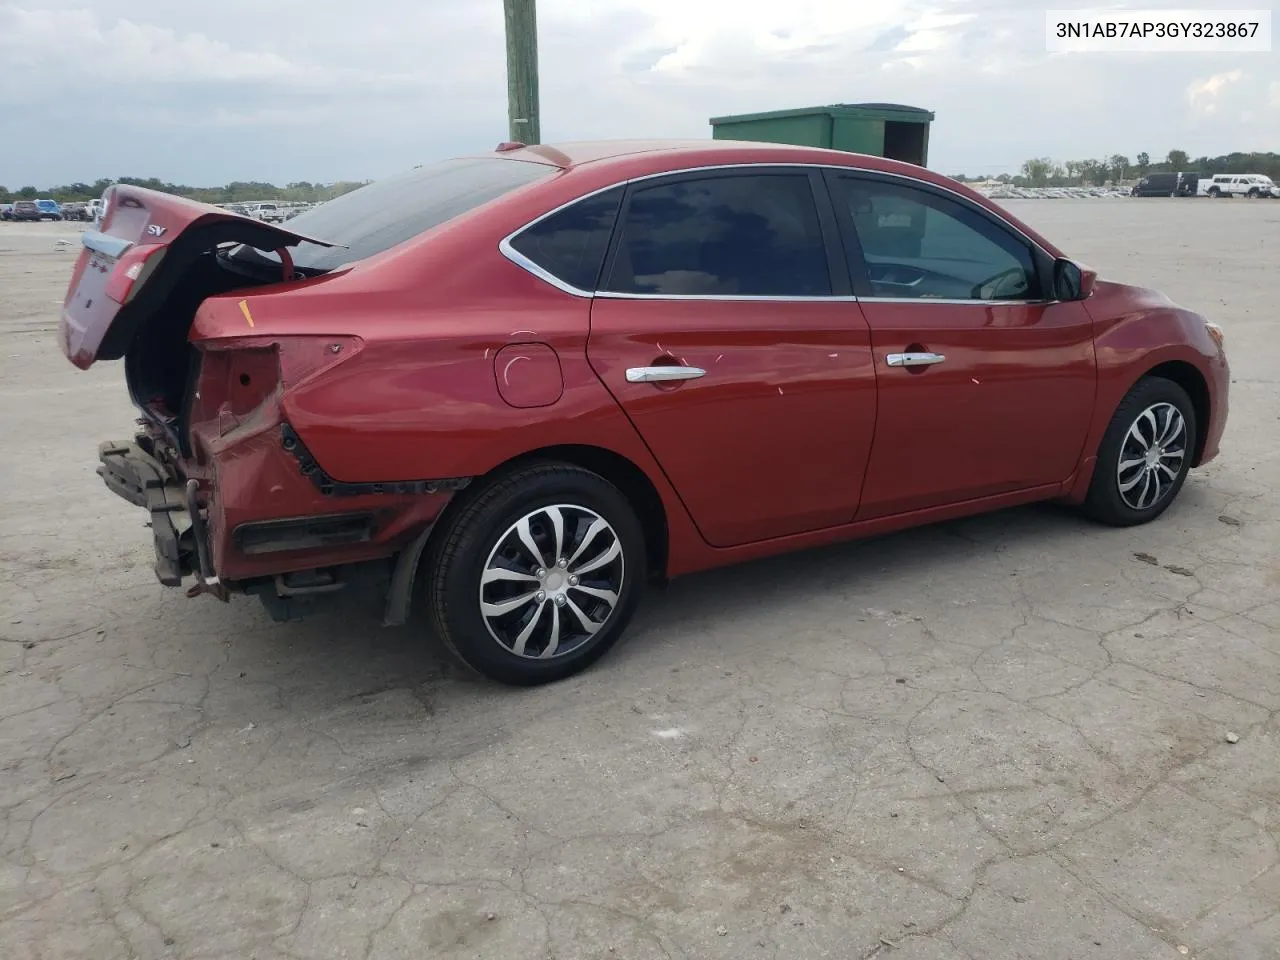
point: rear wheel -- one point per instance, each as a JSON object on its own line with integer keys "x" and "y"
{"x": 537, "y": 576}
{"x": 1215, "y": 192}
{"x": 1145, "y": 454}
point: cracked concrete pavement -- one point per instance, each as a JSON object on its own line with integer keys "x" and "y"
{"x": 999, "y": 738}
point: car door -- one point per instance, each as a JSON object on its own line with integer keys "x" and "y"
{"x": 986, "y": 386}
{"x": 725, "y": 329}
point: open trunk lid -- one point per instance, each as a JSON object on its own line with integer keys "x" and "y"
{"x": 131, "y": 264}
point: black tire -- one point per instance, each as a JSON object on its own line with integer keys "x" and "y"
{"x": 1215, "y": 192}
{"x": 462, "y": 549}
{"x": 1106, "y": 501}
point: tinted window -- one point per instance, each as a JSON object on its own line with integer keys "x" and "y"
{"x": 380, "y": 215}
{"x": 570, "y": 245}
{"x": 754, "y": 235}
{"x": 921, "y": 245}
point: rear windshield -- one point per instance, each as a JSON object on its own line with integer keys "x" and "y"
{"x": 380, "y": 215}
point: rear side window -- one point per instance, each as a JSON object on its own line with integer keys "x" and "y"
{"x": 382, "y": 214}
{"x": 570, "y": 245}
{"x": 722, "y": 236}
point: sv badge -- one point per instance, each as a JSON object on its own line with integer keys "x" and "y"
{"x": 155, "y": 230}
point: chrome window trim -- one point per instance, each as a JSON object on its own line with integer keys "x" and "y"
{"x": 957, "y": 302}
{"x": 520, "y": 260}
{"x": 728, "y": 297}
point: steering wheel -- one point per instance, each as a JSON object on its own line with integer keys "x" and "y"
{"x": 1008, "y": 283}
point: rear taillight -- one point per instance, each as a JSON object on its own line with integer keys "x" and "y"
{"x": 131, "y": 272}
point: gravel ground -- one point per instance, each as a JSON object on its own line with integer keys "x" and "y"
{"x": 998, "y": 738}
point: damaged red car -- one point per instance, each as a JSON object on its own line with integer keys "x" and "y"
{"x": 523, "y": 385}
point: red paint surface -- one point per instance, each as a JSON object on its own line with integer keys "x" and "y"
{"x": 1007, "y": 410}
{"x": 798, "y": 435}
{"x": 774, "y": 439}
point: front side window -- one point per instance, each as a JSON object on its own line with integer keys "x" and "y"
{"x": 571, "y": 243}
{"x": 920, "y": 245}
{"x": 722, "y": 236}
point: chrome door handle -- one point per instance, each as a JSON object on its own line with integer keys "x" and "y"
{"x": 663, "y": 374}
{"x": 914, "y": 359}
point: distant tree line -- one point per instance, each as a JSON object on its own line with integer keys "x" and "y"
{"x": 237, "y": 192}
{"x": 1046, "y": 172}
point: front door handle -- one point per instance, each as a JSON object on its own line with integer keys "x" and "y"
{"x": 663, "y": 374}
{"x": 914, "y": 359}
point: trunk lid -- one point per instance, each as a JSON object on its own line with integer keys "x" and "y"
{"x": 134, "y": 261}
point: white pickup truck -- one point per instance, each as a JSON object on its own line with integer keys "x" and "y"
{"x": 265, "y": 211}
{"x": 1251, "y": 185}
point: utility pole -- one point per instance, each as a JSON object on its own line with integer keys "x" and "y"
{"x": 522, "y": 71}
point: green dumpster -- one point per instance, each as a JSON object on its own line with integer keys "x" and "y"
{"x": 881, "y": 129}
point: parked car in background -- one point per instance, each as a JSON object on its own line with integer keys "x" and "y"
{"x": 291, "y": 210}
{"x": 529, "y": 382}
{"x": 95, "y": 210}
{"x": 76, "y": 210}
{"x": 49, "y": 209}
{"x": 26, "y": 210}
{"x": 1189, "y": 184}
{"x": 1156, "y": 185}
{"x": 6, "y": 211}
{"x": 1266, "y": 186}
{"x": 1251, "y": 185}
{"x": 267, "y": 212}
{"x": 1166, "y": 185}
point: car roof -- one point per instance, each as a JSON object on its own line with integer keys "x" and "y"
{"x": 657, "y": 155}
{"x": 625, "y": 159}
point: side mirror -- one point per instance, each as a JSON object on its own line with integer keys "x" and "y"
{"x": 1072, "y": 281}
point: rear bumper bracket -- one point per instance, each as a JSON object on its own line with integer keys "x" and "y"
{"x": 132, "y": 473}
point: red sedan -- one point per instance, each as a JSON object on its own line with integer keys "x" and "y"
{"x": 534, "y": 380}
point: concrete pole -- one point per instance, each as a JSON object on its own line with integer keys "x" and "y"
{"x": 522, "y": 71}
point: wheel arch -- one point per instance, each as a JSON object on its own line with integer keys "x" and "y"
{"x": 618, "y": 470}
{"x": 1189, "y": 378}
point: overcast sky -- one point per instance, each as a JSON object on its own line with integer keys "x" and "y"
{"x": 284, "y": 90}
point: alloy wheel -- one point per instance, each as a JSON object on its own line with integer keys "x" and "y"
{"x": 1152, "y": 456}
{"x": 552, "y": 581}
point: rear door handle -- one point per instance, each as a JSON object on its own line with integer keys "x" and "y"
{"x": 663, "y": 374}
{"x": 914, "y": 359}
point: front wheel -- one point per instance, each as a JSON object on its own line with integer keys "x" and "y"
{"x": 537, "y": 576}
{"x": 1144, "y": 455}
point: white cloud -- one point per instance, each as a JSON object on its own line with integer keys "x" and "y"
{"x": 128, "y": 51}
{"x": 1203, "y": 94}
{"x": 86, "y": 49}
{"x": 325, "y": 89}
